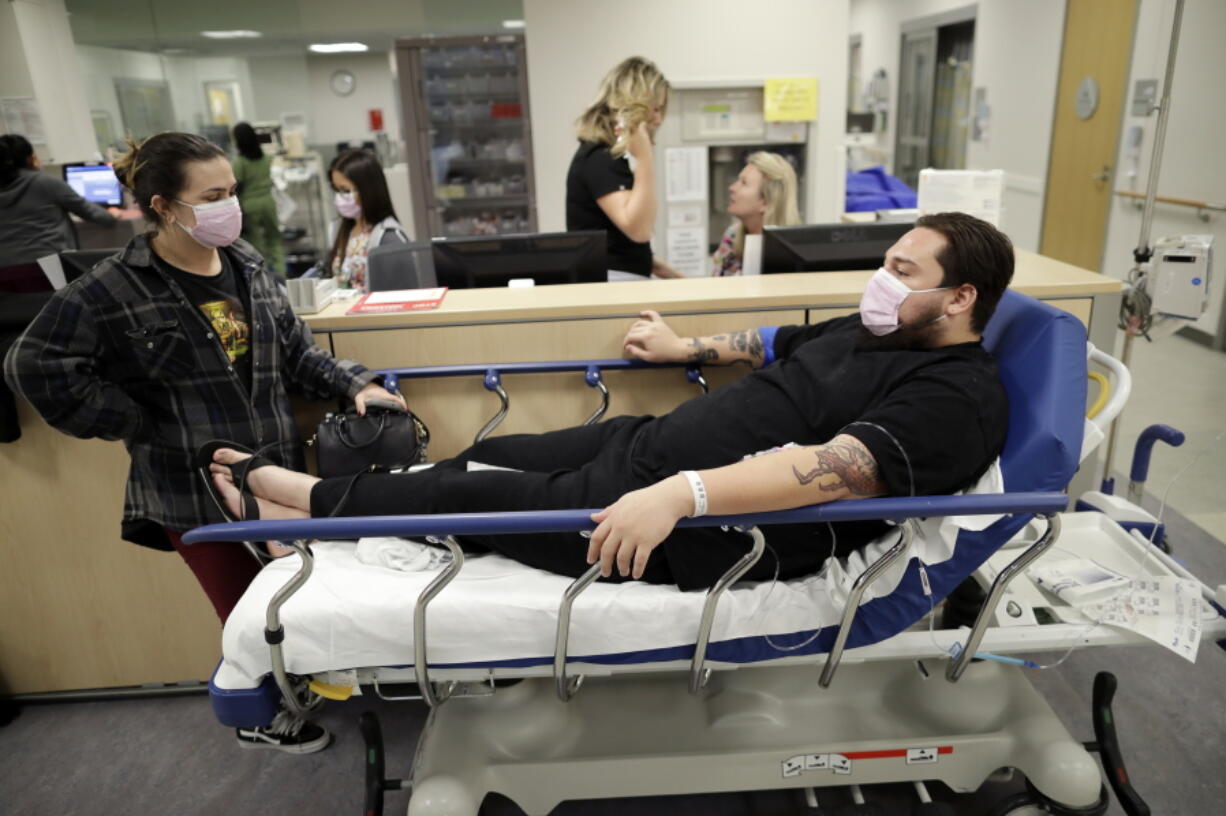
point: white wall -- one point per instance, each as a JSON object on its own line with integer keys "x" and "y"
{"x": 1017, "y": 60}
{"x": 337, "y": 118}
{"x": 36, "y": 35}
{"x": 100, "y": 67}
{"x": 280, "y": 85}
{"x": 1192, "y": 165}
{"x": 185, "y": 76}
{"x": 572, "y": 45}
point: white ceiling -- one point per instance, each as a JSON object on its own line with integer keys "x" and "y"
{"x": 288, "y": 26}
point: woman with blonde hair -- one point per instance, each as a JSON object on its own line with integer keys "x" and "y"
{"x": 764, "y": 193}
{"x": 611, "y": 184}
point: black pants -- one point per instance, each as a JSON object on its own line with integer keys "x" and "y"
{"x": 584, "y": 467}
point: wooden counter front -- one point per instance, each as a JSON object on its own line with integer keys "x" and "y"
{"x": 79, "y": 608}
{"x": 1034, "y": 275}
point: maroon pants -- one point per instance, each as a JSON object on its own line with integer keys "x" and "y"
{"x": 223, "y": 568}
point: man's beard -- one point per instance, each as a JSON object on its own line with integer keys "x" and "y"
{"x": 914, "y": 336}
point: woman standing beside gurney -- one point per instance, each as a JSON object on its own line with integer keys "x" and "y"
{"x": 181, "y": 337}
{"x": 901, "y": 399}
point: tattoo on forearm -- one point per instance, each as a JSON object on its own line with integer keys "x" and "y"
{"x": 748, "y": 342}
{"x": 851, "y": 466}
{"x": 702, "y": 353}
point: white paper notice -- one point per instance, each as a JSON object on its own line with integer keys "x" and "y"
{"x": 686, "y": 171}
{"x": 21, "y": 116}
{"x": 975, "y": 192}
{"x": 687, "y": 251}
{"x": 1167, "y": 610}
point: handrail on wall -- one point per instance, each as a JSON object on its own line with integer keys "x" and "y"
{"x": 1203, "y": 208}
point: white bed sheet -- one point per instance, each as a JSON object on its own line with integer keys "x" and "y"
{"x": 352, "y": 614}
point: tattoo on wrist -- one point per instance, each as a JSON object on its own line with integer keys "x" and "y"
{"x": 852, "y": 467}
{"x": 702, "y": 353}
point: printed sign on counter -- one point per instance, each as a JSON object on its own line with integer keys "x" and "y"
{"x": 790, "y": 99}
{"x": 399, "y": 300}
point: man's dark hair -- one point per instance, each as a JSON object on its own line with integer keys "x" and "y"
{"x": 977, "y": 253}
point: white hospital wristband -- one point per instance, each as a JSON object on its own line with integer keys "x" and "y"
{"x": 699, "y": 490}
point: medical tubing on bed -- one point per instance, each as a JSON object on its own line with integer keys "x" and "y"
{"x": 862, "y": 583}
{"x": 905, "y": 458}
{"x": 1014, "y": 568}
{"x": 698, "y": 671}
{"x": 834, "y": 543}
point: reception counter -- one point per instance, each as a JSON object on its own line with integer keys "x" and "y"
{"x": 79, "y": 608}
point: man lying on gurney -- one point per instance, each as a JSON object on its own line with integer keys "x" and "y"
{"x": 899, "y": 400}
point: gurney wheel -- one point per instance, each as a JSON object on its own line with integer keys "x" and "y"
{"x": 376, "y": 784}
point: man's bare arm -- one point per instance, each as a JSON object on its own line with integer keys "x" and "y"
{"x": 630, "y": 528}
{"x": 653, "y": 340}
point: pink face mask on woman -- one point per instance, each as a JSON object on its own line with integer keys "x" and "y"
{"x": 882, "y": 298}
{"x": 346, "y": 206}
{"x": 218, "y": 223}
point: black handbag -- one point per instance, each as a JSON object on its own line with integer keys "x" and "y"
{"x": 387, "y": 437}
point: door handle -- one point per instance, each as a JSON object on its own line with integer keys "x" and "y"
{"x": 1105, "y": 175}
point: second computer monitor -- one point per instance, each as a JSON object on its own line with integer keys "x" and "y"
{"x": 94, "y": 182}
{"x": 828, "y": 247}
{"x": 545, "y": 258}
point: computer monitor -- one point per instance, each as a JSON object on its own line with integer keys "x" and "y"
{"x": 827, "y": 247}
{"x": 76, "y": 262}
{"x": 546, "y": 258}
{"x": 94, "y": 182}
{"x": 401, "y": 266}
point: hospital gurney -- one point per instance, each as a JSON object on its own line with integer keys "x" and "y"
{"x": 662, "y": 710}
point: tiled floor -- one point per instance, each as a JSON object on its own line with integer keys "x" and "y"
{"x": 1182, "y": 384}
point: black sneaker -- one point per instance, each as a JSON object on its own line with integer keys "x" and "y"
{"x": 287, "y": 733}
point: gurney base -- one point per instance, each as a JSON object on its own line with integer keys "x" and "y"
{"x": 752, "y": 729}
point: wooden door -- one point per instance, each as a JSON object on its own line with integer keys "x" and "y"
{"x": 1093, "y": 87}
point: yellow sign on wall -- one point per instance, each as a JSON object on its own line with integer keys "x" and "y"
{"x": 791, "y": 99}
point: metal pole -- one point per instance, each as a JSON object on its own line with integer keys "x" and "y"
{"x": 1142, "y": 253}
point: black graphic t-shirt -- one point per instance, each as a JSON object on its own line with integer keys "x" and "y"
{"x": 225, "y": 304}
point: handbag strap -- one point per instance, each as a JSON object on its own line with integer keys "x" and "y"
{"x": 343, "y": 434}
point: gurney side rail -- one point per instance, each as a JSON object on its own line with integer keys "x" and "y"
{"x": 442, "y": 527}
{"x": 491, "y": 379}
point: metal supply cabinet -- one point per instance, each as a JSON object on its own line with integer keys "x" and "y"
{"x": 467, "y": 132}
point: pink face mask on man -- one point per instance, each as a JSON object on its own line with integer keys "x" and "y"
{"x": 218, "y": 223}
{"x": 882, "y": 298}
{"x": 346, "y": 206}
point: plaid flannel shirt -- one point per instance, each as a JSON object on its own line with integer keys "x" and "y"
{"x": 122, "y": 354}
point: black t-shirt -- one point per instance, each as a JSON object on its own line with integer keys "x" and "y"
{"x": 594, "y": 173}
{"x": 945, "y": 407}
{"x": 225, "y": 303}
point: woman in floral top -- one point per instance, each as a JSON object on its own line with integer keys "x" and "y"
{"x": 764, "y": 193}
{"x": 367, "y": 217}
